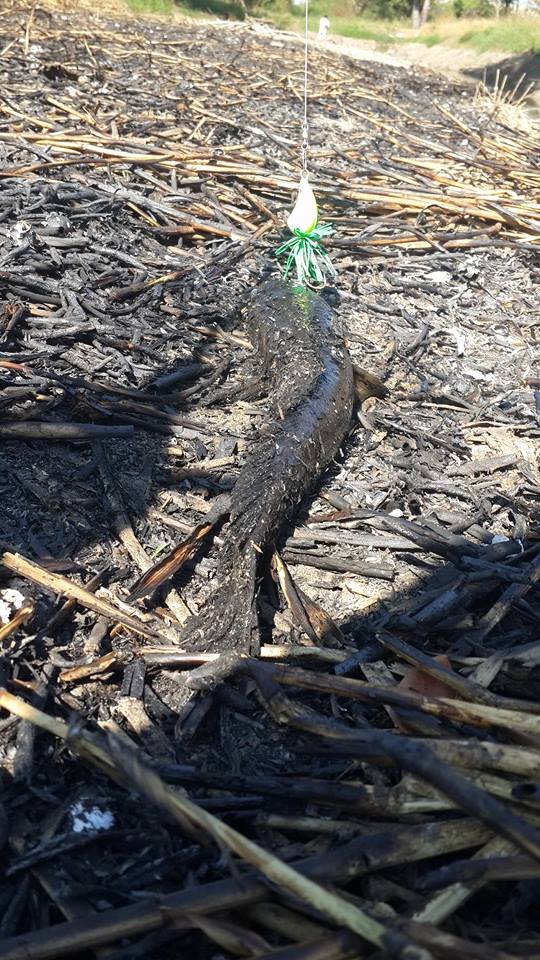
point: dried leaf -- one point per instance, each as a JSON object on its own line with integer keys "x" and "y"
{"x": 421, "y": 683}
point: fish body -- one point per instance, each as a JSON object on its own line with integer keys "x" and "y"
{"x": 309, "y": 377}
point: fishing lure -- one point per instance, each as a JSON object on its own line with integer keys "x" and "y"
{"x": 304, "y": 249}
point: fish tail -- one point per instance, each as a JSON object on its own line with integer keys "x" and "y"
{"x": 227, "y": 619}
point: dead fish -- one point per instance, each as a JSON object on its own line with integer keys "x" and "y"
{"x": 309, "y": 378}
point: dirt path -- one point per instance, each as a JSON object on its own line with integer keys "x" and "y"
{"x": 461, "y": 64}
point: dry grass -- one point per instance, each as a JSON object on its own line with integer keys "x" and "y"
{"x": 33, "y": 9}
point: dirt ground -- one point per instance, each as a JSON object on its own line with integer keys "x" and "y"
{"x": 145, "y": 172}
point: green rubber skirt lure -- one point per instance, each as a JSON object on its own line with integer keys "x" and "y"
{"x": 304, "y": 250}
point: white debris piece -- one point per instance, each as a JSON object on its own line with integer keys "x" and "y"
{"x": 18, "y": 232}
{"x": 85, "y": 818}
{"x": 4, "y": 612}
{"x": 439, "y": 276}
{"x": 460, "y": 342}
{"x": 10, "y": 602}
{"x": 500, "y": 538}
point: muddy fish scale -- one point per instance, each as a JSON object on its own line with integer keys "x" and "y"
{"x": 310, "y": 392}
{"x": 310, "y": 395}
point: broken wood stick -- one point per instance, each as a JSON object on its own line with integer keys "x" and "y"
{"x": 56, "y": 584}
{"x": 340, "y": 565}
{"x": 37, "y": 430}
{"x": 359, "y": 857}
{"x": 17, "y": 620}
{"x": 115, "y": 760}
{"x": 462, "y": 711}
{"x": 411, "y": 756}
{"x": 165, "y": 568}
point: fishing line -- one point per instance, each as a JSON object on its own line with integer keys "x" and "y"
{"x": 305, "y": 128}
{"x": 304, "y": 250}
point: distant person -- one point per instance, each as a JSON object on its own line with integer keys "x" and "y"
{"x": 324, "y": 23}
